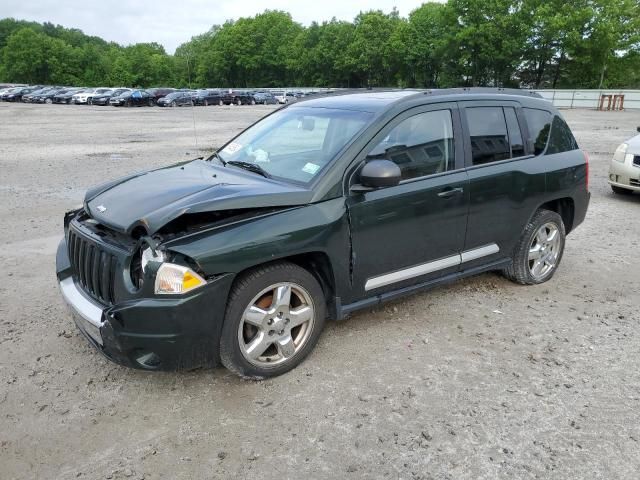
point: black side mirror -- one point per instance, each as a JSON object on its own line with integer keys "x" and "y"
{"x": 378, "y": 174}
{"x": 638, "y": 129}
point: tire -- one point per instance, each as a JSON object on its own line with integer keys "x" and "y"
{"x": 206, "y": 102}
{"x": 264, "y": 103}
{"x": 535, "y": 260}
{"x": 220, "y": 102}
{"x": 239, "y": 102}
{"x": 274, "y": 351}
{"x": 253, "y": 102}
{"x": 49, "y": 101}
{"x": 620, "y": 190}
{"x": 173, "y": 104}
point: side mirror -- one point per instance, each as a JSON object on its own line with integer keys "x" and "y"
{"x": 378, "y": 174}
{"x": 638, "y": 129}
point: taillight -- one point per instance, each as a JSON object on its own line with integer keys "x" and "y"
{"x": 586, "y": 163}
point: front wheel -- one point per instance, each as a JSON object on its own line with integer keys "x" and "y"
{"x": 239, "y": 102}
{"x": 274, "y": 317}
{"x": 539, "y": 250}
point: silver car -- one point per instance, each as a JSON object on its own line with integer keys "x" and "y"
{"x": 624, "y": 169}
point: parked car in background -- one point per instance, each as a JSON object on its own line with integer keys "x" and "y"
{"x": 103, "y": 99}
{"x": 158, "y": 92}
{"x": 28, "y": 98}
{"x": 133, "y": 98}
{"x": 15, "y": 95}
{"x": 237, "y": 97}
{"x": 624, "y": 169}
{"x": 177, "y": 99}
{"x": 264, "y": 98}
{"x": 65, "y": 97}
{"x": 47, "y": 97}
{"x": 84, "y": 97}
{"x": 208, "y": 97}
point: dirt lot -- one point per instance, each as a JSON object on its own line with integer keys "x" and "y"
{"x": 480, "y": 380}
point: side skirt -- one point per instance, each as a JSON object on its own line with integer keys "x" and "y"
{"x": 343, "y": 311}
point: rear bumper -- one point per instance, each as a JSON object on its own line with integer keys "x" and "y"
{"x": 150, "y": 333}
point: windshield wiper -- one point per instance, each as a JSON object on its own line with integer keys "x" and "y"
{"x": 252, "y": 167}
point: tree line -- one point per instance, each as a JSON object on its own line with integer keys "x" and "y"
{"x": 509, "y": 43}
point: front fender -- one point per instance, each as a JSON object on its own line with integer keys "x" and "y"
{"x": 321, "y": 227}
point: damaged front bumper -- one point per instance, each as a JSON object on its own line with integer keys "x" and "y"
{"x": 180, "y": 332}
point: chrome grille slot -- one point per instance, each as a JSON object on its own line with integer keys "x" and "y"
{"x": 93, "y": 267}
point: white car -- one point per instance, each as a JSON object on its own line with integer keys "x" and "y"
{"x": 85, "y": 96}
{"x": 624, "y": 169}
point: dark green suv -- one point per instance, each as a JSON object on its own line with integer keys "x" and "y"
{"x": 317, "y": 210}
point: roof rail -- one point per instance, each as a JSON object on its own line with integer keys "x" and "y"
{"x": 481, "y": 90}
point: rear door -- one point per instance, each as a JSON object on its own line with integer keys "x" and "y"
{"x": 412, "y": 232}
{"x": 506, "y": 182}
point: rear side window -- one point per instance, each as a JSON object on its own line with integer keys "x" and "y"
{"x": 489, "y": 137}
{"x": 561, "y": 138}
{"x": 539, "y": 123}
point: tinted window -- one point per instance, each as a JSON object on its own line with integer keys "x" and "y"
{"x": 561, "y": 138}
{"x": 420, "y": 145}
{"x": 515, "y": 135}
{"x": 539, "y": 123}
{"x": 488, "y": 131}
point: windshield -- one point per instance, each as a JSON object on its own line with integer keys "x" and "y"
{"x": 296, "y": 143}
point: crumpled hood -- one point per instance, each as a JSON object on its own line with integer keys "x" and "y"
{"x": 154, "y": 198}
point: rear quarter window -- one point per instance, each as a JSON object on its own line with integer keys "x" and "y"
{"x": 539, "y": 123}
{"x": 561, "y": 138}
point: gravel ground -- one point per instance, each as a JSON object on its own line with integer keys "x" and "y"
{"x": 483, "y": 379}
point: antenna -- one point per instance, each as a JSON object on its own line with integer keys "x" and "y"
{"x": 193, "y": 112}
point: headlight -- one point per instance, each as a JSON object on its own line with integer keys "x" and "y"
{"x": 149, "y": 256}
{"x": 620, "y": 155}
{"x": 176, "y": 279}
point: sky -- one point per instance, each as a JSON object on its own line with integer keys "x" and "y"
{"x": 171, "y": 23}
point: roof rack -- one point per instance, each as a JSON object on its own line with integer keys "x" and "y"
{"x": 481, "y": 90}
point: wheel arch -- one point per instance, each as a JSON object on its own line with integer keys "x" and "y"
{"x": 565, "y": 207}
{"x": 318, "y": 264}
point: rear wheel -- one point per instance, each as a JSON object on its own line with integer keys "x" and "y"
{"x": 253, "y": 102}
{"x": 239, "y": 102}
{"x": 173, "y": 103}
{"x": 539, "y": 250}
{"x": 206, "y": 102}
{"x": 620, "y": 190}
{"x": 274, "y": 317}
{"x": 49, "y": 101}
{"x": 220, "y": 102}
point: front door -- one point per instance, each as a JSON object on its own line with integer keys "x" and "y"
{"x": 415, "y": 231}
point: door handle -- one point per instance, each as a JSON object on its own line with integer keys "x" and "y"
{"x": 450, "y": 192}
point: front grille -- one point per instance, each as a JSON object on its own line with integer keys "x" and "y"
{"x": 93, "y": 266}
{"x": 634, "y": 183}
{"x": 636, "y": 160}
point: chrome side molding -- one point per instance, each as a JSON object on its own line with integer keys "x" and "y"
{"x": 430, "y": 267}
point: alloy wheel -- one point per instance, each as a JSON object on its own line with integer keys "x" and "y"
{"x": 276, "y": 325}
{"x": 544, "y": 250}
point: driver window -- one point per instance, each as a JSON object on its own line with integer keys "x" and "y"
{"x": 420, "y": 145}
